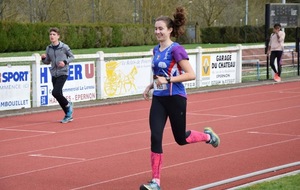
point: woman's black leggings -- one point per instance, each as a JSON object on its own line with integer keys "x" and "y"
{"x": 276, "y": 54}
{"x": 163, "y": 107}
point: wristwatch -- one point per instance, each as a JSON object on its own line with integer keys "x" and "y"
{"x": 168, "y": 78}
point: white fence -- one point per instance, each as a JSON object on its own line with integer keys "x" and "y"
{"x": 108, "y": 75}
{"x": 255, "y": 62}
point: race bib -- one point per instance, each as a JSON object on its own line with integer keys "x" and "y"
{"x": 161, "y": 87}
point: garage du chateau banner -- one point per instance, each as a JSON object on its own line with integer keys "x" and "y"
{"x": 219, "y": 68}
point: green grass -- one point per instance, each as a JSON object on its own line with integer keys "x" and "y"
{"x": 252, "y": 75}
{"x": 286, "y": 183}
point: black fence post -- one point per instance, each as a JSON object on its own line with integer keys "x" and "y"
{"x": 297, "y": 48}
{"x": 267, "y": 25}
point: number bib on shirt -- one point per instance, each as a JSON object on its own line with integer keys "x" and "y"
{"x": 161, "y": 87}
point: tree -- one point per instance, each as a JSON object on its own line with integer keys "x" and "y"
{"x": 8, "y": 10}
{"x": 208, "y": 11}
{"x": 205, "y": 12}
{"x": 2, "y": 7}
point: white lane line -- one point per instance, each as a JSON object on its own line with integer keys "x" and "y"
{"x": 289, "y": 92}
{"x": 78, "y": 162}
{"x": 266, "y": 180}
{"x": 90, "y": 127}
{"x": 215, "y": 115}
{"x": 28, "y": 124}
{"x": 77, "y": 143}
{"x": 261, "y": 126}
{"x": 246, "y": 115}
{"x": 248, "y": 103}
{"x": 55, "y": 157}
{"x": 26, "y": 137}
{"x": 184, "y": 163}
{"x": 23, "y": 130}
{"x": 189, "y": 102}
{"x": 85, "y": 117}
{"x": 143, "y": 132}
{"x": 241, "y": 96}
{"x": 142, "y": 149}
{"x": 278, "y": 134}
{"x": 249, "y": 175}
{"x": 188, "y": 124}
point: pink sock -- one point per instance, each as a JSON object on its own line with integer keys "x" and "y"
{"x": 196, "y": 136}
{"x": 156, "y": 163}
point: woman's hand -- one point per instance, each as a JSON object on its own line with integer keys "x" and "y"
{"x": 148, "y": 92}
{"x": 161, "y": 80}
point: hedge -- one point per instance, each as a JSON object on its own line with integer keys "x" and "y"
{"x": 245, "y": 34}
{"x": 16, "y": 37}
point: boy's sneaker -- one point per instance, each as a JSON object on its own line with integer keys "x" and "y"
{"x": 70, "y": 110}
{"x": 214, "y": 139}
{"x": 152, "y": 185}
{"x": 67, "y": 119}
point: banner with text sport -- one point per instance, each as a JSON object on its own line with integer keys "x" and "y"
{"x": 15, "y": 86}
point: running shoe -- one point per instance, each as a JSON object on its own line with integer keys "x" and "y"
{"x": 67, "y": 119}
{"x": 214, "y": 138}
{"x": 152, "y": 185}
{"x": 70, "y": 110}
{"x": 277, "y": 78}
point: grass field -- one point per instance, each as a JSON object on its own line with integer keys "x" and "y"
{"x": 286, "y": 183}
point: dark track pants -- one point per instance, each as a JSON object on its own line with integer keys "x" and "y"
{"x": 162, "y": 108}
{"x": 58, "y": 84}
{"x": 278, "y": 55}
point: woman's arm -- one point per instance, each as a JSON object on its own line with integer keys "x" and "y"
{"x": 188, "y": 74}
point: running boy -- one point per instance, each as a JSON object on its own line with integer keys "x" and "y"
{"x": 59, "y": 55}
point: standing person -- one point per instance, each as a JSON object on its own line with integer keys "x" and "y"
{"x": 171, "y": 67}
{"x": 59, "y": 55}
{"x": 276, "y": 46}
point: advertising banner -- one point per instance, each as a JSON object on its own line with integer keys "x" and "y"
{"x": 80, "y": 85}
{"x": 192, "y": 83}
{"x": 125, "y": 77}
{"x": 15, "y": 87}
{"x": 218, "y": 68}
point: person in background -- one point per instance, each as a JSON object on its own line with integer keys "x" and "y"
{"x": 170, "y": 67}
{"x": 59, "y": 55}
{"x": 276, "y": 47}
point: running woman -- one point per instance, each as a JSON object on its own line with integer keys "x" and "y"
{"x": 59, "y": 55}
{"x": 170, "y": 67}
{"x": 276, "y": 46}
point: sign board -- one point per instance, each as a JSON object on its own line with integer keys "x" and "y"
{"x": 15, "y": 87}
{"x": 193, "y": 61}
{"x": 125, "y": 77}
{"x": 287, "y": 15}
{"x": 80, "y": 85}
{"x": 218, "y": 68}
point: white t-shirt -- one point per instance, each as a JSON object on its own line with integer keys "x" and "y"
{"x": 277, "y": 44}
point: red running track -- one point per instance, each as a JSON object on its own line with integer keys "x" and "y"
{"x": 107, "y": 147}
